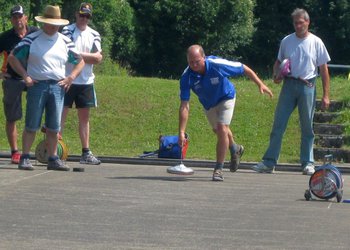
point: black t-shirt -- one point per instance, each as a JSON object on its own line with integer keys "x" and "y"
{"x": 8, "y": 40}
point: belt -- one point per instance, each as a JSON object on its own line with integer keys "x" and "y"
{"x": 49, "y": 81}
{"x": 308, "y": 82}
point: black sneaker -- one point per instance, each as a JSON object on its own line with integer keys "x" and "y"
{"x": 236, "y": 158}
{"x": 217, "y": 175}
{"x": 57, "y": 165}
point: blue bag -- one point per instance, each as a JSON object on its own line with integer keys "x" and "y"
{"x": 169, "y": 147}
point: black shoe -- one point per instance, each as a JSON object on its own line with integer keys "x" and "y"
{"x": 57, "y": 165}
{"x": 236, "y": 158}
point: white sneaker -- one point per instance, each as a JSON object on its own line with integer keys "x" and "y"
{"x": 309, "y": 169}
{"x": 89, "y": 158}
{"x": 262, "y": 168}
{"x": 180, "y": 169}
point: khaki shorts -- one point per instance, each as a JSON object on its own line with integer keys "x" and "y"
{"x": 221, "y": 113}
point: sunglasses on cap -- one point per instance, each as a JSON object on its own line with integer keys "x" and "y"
{"x": 17, "y": 15}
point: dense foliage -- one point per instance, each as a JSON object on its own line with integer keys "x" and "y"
{"x": 164, "y": 29}
{"x": 150, "y": 37}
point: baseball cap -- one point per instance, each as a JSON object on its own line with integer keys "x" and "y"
{"x": 18, "y": 9}
{"x": 85, "y": 8}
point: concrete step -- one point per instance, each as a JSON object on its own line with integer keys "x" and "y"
{"x": 328, "y": 129}
{"x": 333, "y": 106}
{"x": 331, "y": 141}
{"x": 325, "y": 117}
{"x": 339, "y": 155}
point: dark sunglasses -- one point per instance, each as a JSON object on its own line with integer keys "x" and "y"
{"x": 17, "y": 15}
{"x": 84, "y": 15}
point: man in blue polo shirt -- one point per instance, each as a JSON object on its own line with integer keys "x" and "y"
{"x": 13, "y": 84}
{"x": 207, "y": 77}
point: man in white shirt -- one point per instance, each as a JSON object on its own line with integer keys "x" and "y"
{"x": 40, "y": 59}
{"x": 306, "y": 53}
{"x": 82, "y": 92}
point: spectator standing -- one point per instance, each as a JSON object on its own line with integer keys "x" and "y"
{"x": 82, "y": 92}
{"x": 40, "y": 58}
{"x": 13, "y": 84}
{"x": 306, "y": 53}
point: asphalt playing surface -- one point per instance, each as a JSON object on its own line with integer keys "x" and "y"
{"x": 132, "y": 206}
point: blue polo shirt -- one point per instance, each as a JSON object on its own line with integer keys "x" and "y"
{"x": 214, "y": 86}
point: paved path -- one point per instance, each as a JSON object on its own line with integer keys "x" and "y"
{"x": 131, "y": 206}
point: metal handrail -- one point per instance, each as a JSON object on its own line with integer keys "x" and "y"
{"x": 339, "y": 66}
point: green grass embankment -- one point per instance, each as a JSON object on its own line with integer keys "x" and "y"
{"x": 132, "y": 113}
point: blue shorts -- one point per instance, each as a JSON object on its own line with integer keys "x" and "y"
{"x": 44, "y": 95}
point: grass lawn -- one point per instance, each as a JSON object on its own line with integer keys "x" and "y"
{"x": 132, "y": 112}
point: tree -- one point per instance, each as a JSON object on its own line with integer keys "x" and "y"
{"x": 273, "y": 23}
{"x": 151, "y": 36}
{"x": 164, "y": 29}
{"x": 123, "y": 42}
{"x": 331, "y": 21}
{"x": 6, "y": 6}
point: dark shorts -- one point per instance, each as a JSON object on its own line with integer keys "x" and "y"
{"x": 84, "y": 96}
{"x": 12, "y": 99}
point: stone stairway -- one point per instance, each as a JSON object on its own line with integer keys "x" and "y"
{"x": 330, "y": 138}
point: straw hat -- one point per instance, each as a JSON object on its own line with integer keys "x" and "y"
{"x": 52, "y": 15}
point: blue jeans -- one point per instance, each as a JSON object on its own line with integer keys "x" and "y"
{"x": 294, "y": 93}
{"x": 48, "y": 96}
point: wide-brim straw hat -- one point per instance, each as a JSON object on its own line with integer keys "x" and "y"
{"x": 52, "y": 15}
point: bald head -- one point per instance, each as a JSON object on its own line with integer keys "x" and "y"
{"x": 195, "y": 49}
{"x": 196, "y": 58}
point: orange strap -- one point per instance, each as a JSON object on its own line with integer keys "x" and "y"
{"x": 4, "y": 63}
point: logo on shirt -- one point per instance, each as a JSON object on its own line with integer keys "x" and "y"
{"x": 214, "y": 80}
